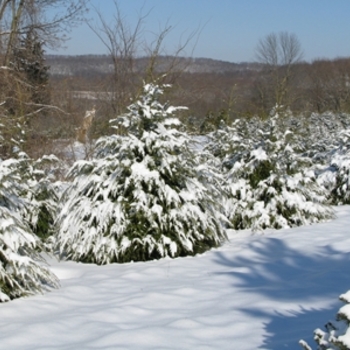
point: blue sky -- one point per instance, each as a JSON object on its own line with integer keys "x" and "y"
{"x": 229, "y": 29}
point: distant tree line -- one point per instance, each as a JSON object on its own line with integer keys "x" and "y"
{"x": 253, "y": 90}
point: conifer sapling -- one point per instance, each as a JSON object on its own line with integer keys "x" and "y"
{"x": 141, "y": 198}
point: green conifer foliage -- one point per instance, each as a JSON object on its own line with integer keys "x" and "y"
{"x": 22, "y": 270}
{"x": 269, "y": 180}
{"x": 29, "y": 59}
{"x": 336, "y": 334}
{"x": 141, "y": 199}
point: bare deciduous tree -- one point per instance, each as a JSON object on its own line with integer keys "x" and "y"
{"x": 124, "y": 44}
{"x": 51, "y": 20}
{"x": 26, "y": 25}
{"x": 121, "y": 41}
{"x": 330, "y": 85}
{"x": 283, "y": 49}
{"x": 278, "y": 53}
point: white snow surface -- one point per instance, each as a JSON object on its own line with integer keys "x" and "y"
{"x": 265, "y": 290}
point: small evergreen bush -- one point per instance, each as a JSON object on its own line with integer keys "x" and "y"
{"x": 22, "y": 270}
{"x": 268, "y": 178}
{"x": 336, "y": 335}
{"x": 39, "y": 194}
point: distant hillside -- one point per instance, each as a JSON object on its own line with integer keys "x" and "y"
{"x": 101, "y": 64}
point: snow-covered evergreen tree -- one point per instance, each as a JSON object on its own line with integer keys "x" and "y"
{"x": 336, "y": 335}
{"x": 334, "y": 169}
{"x": 22, "y": 270}
{"x": 41, "y": 195}
{"x": 268, "y": 177}
{"x": 229, "y": 142}
{"x": 340, "y": 164}
{"x": 141, "y": 198}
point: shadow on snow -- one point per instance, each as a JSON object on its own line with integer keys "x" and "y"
{"x": 284, "y": 275}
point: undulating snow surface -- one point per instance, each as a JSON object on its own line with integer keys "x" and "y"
{"x": 259, "y": 291}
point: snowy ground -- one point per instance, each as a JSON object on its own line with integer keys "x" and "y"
{"x": 261, "y": 291}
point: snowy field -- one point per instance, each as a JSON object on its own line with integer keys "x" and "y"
{"x": 259, "y": 291}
